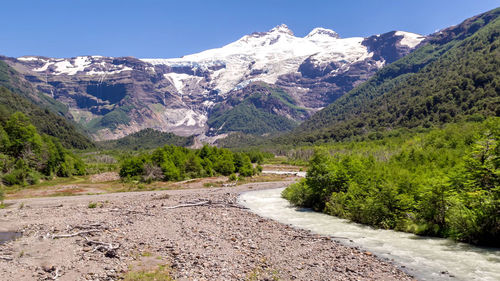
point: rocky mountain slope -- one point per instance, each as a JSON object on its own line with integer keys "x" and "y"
{"x": 114, "y": 97}
{"x": 454, "y": 76}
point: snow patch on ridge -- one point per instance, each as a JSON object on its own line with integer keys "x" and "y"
{"x": 320, "y": 33}
{"x": 29, "y": 59}
{"x": 90, "y": 65}
{"x": 410, "y": 39}
{"x": 179, "y": 117}
{"x": 177, "y": 80}
{"x": 97, "y": 72}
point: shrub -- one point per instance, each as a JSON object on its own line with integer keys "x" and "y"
{"x": 132, "y": 167}
{"x": 442, "y": 182}
{"x": 233, "y": 177}
{"x": 259, "y": 169}
{"x": 178, "y": 163}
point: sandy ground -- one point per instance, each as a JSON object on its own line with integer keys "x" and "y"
{"x": 216, "y": 241}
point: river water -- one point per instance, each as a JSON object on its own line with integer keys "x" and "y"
{"x": 423, "y": 257}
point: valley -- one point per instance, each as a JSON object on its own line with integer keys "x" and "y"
{"x": 276, "y": 156}
{"x": 114, "y": 97}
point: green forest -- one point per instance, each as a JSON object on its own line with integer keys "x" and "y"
{"x": 26, "y": 156}
{"x": 255, "y": 112}
{"x": 46, "y": 121}
{"x": 173, "y": 163}
{"x": 440, "y": 182}
{"x": 146, "y": 139}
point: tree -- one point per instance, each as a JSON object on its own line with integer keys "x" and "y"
{"x": 4, "y": 140}
{"x": 170, "y": 171}
{"x": 22, "y": 135}
{"x": 132, "y": 167}
{"x": 483, "y": 164}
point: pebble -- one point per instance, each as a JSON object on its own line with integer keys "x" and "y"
{"x": 202, "y": 243}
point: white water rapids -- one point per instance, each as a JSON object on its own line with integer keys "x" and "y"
{"x": 423, "y": 257}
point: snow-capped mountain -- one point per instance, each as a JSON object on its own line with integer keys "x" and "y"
{"x": 266, "y": 56}
{"x": 114, "y": 97}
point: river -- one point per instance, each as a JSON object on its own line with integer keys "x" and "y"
{"x": 423, "y": 257}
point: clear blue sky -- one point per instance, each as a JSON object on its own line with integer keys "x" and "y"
{"x": 153, "y": 28}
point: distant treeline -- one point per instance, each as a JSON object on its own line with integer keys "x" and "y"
{"x": 146, "y": 139}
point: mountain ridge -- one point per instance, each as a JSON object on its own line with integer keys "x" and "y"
{"x": 451, "y": 77}
{"x": 113, "y": 97}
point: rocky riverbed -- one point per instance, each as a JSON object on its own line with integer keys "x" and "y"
{"x": 102, "y": 237}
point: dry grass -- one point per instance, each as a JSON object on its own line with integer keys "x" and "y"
{"x": 86, "y": 185}
{"x": 161, "y": 273}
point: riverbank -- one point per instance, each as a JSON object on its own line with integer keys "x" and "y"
{"x": 219, "y": 240}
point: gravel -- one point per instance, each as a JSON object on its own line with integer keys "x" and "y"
{"x": 210, "y": 242}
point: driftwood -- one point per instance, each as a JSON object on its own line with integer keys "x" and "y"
{"x": 6, "y": 258}
{"x": 90, "y": 226}
{"x": 56, "y": 274}
{"x": 79, "y": 233}
{"x": 109, "y": 248}
{"x": 201, "y": 203}
{"x": 230, "y": 184}
{"x": 206, "y": 203}
{"x": 229, "y": 205}
{"x": 127, "y": 212}
{"x": 320, "y": 237}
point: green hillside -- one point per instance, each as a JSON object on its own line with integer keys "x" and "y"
{"x": 147, "y": 139}
{"x": 251, "y": 120}
{"x": 44, "y": 120}
{"x": 12, "y": 80}
{"x": 454, "y": 76}
{"x": 257, "y": 109}
{"x": 27, "y": 156}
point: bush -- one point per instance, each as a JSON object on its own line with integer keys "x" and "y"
{"x": 246, "y": 171}
{"x": 170, "y": 171}
{"x": 132, "y": 167}
{"x": 178, "y": 163}
{"x": 442, "y": 182}
{"x": 259, "y": 169}
{"x": 224, "y": 167}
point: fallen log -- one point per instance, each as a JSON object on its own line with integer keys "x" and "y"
{"x": 319, "y": 237}
{"x": 127, "y": 212}
{"x": 102, "y": 245}
{"x": 207, "y": 203}
{"x": 188, "y": 205}
{"x": 74, "y": 234}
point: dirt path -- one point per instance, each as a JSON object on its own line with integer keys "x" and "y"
{"x": 212, "y": 242}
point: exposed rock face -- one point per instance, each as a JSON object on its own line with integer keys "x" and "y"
{"x": 114, "y": 97}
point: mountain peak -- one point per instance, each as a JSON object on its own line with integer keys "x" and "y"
{"x": 282, "y": 28}
{"x": 322, "y": 32}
